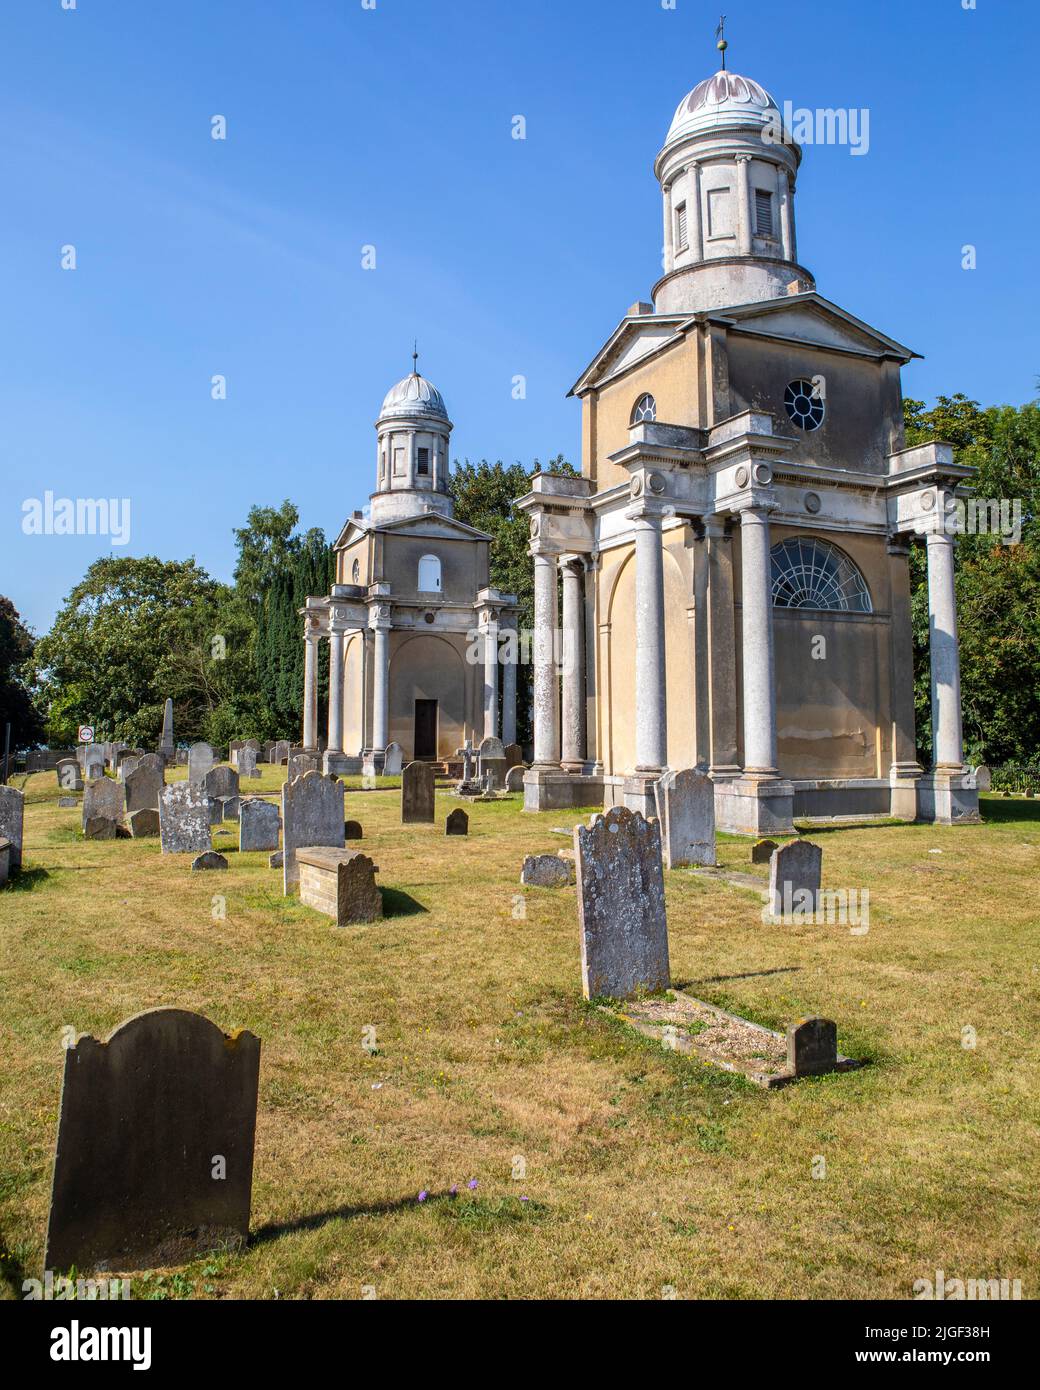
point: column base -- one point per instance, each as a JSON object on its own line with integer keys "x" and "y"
{"x": 638, "y": 792}
{"x": 903, "y": 780}
{"x": 948, "y": 798}
{"x": 340, "y": 764}
{"x": 372, "y": 761}
{"x": 552, "y": 789}
{"x": 752, "y": 805}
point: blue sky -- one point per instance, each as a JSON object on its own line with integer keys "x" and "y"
{"x": 392, "y": 127}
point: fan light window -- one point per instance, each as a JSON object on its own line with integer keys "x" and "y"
{"x": 813, "y": 574}
{"x": 645, "y": 408}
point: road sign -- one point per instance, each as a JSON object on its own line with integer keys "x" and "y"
{"x": 86, "y": 733}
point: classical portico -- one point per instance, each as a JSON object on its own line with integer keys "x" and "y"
{"x": 734, "y": 559}
{"x": 422, "y": 649}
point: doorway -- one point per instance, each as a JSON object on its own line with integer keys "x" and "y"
{"x": 425, "y": 745}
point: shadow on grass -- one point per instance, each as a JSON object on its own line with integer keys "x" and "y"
{"x": 25, "y": 880}
{"x": 397, "y": 903}
{"x": 274, "y": 1230}
{"x": 809, "y": 829}
{"x": 747, "y": 975}
{"x": 1000, "y": 812}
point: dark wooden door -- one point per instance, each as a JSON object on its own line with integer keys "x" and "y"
{"x": 425, "y": 729}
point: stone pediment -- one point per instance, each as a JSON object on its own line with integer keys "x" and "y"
{"x": 635, "y": 339}
{"x": 428, "y": 525}
{"x": 809, "y": 318}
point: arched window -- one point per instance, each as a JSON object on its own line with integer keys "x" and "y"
{"x": 429, "y": 575}
{"x": 645, "y": 409}
{"x": 812, "y": 574}
{"x": 355, "y": 572}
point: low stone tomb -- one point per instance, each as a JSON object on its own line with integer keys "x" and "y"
{"x": 621, "y": 909}
{"x": 794, "y": 879}
{"x": 209, "y": 859}
{"x": 143, "y": 823}
{"x": 457, "y": 822}
{"x": 352, "y": 830}
{"x": 341, "y": 883}
{"x": 12, "y": 820}
{"x": 686, "y": 809}
{"x": 70, "y": 778}
{"x": 184, "y": 819}
{"x": 154, "y": 1159}
{"x": 259, "y": 823}
{"x": 417, "y": 794}
{"x": 762, "y": 851}
{"x": 393, "y": 762}
{"x": 546, "y": 871}
{"x": 103, "y": 800}
{"x": 312, "y": 816}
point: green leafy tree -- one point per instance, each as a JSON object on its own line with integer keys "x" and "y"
{"x": 16, "y": 702}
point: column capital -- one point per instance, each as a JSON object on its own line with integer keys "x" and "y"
{"x": 380, "y": 616}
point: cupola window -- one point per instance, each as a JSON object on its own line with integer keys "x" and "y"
{"x": 804, "y": 404}
{"x": 644, "y": 410}
{"x": 429, "y": 575}
{"x": 422, "y": 465}
{"x": 764, "y": 212}
{"x": 681, "y": 241}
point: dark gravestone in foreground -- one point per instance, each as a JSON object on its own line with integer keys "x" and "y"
{"x": 812, "y": 1046}
{"x": 352, "y": 830}
{"x": 149, "y": 1120}
{"x": 417, "y": 794}
{"x": 457, "y": 822}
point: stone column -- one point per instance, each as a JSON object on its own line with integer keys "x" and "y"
{"x": 573, "y": 665}
{"x": 509, "y": 689}
{"x": 783, "y": 184}
{"x": 546, "y": 684}
{"x": 336, "y": 691}
{"x": 722, "y": 651}
{"x": 651, "y": 709}
{"x": 759, "y": 668}
{"x": 310, "y": 691}
{"x": 381, "y": 686}
{"x": 904, "y": 769}
{"x": 668, "y": 260}
{"x": 491, "y": 676}
{"x": 947, "y": 738}
{"x": 743, "y": 192}
{"x": 694, "y": 232}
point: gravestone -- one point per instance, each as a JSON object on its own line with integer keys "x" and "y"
{"x": 515, "y": 778}
{"x": 94, "y": 761}
{"x": 491, "y": 758}
{"x": 100, "y": 828}
{"x": 247, "y": 763}
{"x": 221, "y": 781}
{"x": 234, "y": 748}
{"x": 12, "y": 819}
{"x": 794, "y": 879}
{"x": 457, "y": 822}
{"x": 299, "y": 763}
{"x": 280, "y": 752}
{"x": 154, "y": 1159}
{"x": 200, "y": 762}
{"x": 393, "y": 760}
{"x": 181, "y": 757}
{"x": 103, "y": 799}
{"x": 229, "y": 807}
{"x": 621, "y": 911}
{"x": 166, "y": 747}
{"x": 127, "y": 763}
{"x": 341, "y": 883}
{"x": 184, "y": 818}
{"x": 144, "y": 823}
{"x": 352, "y": 830}
{"x": 467, "y": 785}
{"x": 259, "y": 823}
{"x": 144, "y": 783}
{"x": 277, "y": 860}
{"x": 312, "y": 815}
{"x": 762, "y": 851}
{"x": 546, "y": 871}
{"x": 514, "y": 755}
{"x": 5, "y": 861}
{"x": 66, "y": 801}
{"x": 686, "y": 809}
{"x": 209, "y": 859}
{"x": 983, "y": 778}
{"x": 812, "y": 1046}
{"x": 70, "y": 778}
{"x": 417, "y": 794}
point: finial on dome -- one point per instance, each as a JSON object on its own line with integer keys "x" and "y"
{"x": 415, "y": 357}
{"x": 722, "y": 45}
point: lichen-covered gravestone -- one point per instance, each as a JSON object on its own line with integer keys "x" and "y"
{"x": 200, "y": 762}
{"x": 546, "y": 871}
{"x": 259, "y": 823}
{"x": 794, "y": 879}
{"x": 621, "y": 912}
{"x": 312, "y": 814}
{"x": 417, "y": 794}
{"x": 144, "y": 783}
{"x": 184, "y": 819}
{"x": 393, "y": 760}
{"x": 686, "y": 809}
{"x": 154, "y": 1160}
{"x": 12, "y": 818}
{"x": 457, "y": 822}
{"x": 103, "y": 804}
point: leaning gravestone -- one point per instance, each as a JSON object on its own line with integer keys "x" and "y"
{"x": 70, "y": 778}
{"x": 258, "y": 824}
{"x": 154, "y": 1160}
{"x": 143, "y": 823}
{"x": 457, "y": 822}
{"x": 621, "y": 912}
{"x": 686, "y": 809}
{"x": 200, "y": 761}
{"x": 184, "y": 819}
{"x": 417, "y": 794}
{"x": 143, "y": 785}
{"x": 102, "y": 801}
{"x": 312, "y": 815}
{"x": 794, "y": 879}
{"x": 12, "y": 818}
{"x": 393, "y": 760}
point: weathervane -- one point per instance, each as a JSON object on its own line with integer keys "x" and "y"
{"x": 722, "y": 45}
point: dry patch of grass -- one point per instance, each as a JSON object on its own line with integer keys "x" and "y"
{"x": 639, "y": 1167}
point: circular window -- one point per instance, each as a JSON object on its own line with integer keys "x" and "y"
{"x": 804, "y": 405}
{"x": 355, "y": 573}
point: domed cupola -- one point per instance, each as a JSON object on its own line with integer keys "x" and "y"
{"x": 413, "y": 434}
{"x": 727, "y": 172}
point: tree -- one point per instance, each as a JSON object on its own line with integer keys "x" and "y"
{"x": 16, "y": 703}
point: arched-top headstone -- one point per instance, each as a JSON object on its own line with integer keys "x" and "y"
{"x": 685, "y": 801}
{"x": 515, "y": 778}
{"x": 200, "y": 761}
{"x": 312, "y": 815}
{"x": 794, "y": 879}
{"x": 417, "y": 794}
{"x": 154, "y": 1159}
{"x": 393, "y": 760}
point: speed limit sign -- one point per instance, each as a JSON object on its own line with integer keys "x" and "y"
{"x": 86, "y": 733}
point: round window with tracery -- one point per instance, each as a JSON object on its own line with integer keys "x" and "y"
{"x": 804, "y": 405}
{"x": 645, "y": 409}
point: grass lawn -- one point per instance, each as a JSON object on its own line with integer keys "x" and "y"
{"x": 641, "y": 1168}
